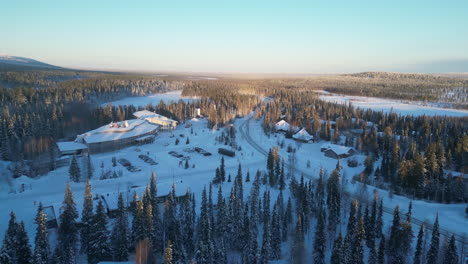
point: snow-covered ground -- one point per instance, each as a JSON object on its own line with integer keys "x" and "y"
{"x": 172, "y": 96}
{"x": 390, "y": 105}
{"x": 49, "y": 189}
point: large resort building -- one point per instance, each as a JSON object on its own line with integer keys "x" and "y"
{"x": 117, "y": 135}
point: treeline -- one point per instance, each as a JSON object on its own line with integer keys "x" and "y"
{"x": 254, "y": 228}
{"x": 408, "y": 155}
{"x": 32, "y": 119}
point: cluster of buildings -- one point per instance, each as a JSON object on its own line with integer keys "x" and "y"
{"x": 117, "y": 135}
{"x": 330, "y": 150}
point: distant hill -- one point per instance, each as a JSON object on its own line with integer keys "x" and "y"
{"x": 7, "y": 61}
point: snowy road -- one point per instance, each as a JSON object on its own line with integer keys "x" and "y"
{"x": 244, "y": 129}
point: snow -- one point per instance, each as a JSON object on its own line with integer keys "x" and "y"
{"x": 282, "y": 125}
{"x": 110, "y": 132}
{"x": 168, "y": 97}
{"x": 303, "y": 135}
{"x": 336, "y": 148}
{"x": 390, "y": 105}
{"x": 49, "y": 189}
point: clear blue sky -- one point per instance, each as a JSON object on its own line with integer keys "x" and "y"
{"x": 240, "y": 36}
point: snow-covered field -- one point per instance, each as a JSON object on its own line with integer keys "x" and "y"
{"x": 49, "y": 189}
{"x": 390, "y": 105}
{"x": 172, "y": 96}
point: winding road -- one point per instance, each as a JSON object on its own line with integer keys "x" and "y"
{"x": 244, "y": 129}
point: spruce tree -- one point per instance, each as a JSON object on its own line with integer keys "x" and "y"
{"x": 419, "y": 246}
{"x": 373, "y": 257}
{"x": 4, "y": 257}
{"x": 275, "y": 234}
{"x": 333, "y": 199}
{"x": 395, "y": 239}
{"x": 298, "y": 250}
{"x": 67, "y": 230}
{"x": 41, "y": 241}
{"x": 74, "y": 170}
{"x": 320, "y": 240}
{"x": 222, "y": 170}
{"x": 451, "y": 256}
{"x": 381, "y": 253}
{"x": 433, "y": 253}
{"x": 120, "y": 233}
{"x": 99, "y": 248}
{"x": 358, "y": 250}
{"x": 86, "y": 218}
{"x": 337, "y": 253}
{"x": 157, "y": 224}
{"x": 379, "y": 221}
{"x": 10, "y": 241}
{"x": 23, "y": 253}
{"x": 205, "y": 253}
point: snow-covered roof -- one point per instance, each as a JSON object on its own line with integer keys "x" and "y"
{"x": 282, "y": 125}
{"x": 144, "y": 114}
{"x": 70, "y": 146}
{"x": 303, "y": 135}
{"x": 336, "y": 148}
{"x": 125, "y": 129}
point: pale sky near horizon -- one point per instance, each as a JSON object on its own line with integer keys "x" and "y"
{"x": 240, "y": 36}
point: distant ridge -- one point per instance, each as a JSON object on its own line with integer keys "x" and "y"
{"x": 8, "y": 60}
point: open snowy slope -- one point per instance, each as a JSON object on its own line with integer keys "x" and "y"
{"x": 389, "y": 105}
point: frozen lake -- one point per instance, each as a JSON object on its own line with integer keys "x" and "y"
{"x": 172, "y": 96}
{"x": 391, "y": 105}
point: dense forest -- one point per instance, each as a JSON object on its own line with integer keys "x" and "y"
{"x": 245, "y": 228}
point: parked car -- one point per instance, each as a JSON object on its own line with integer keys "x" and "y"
{"x": 124, "y": 162}
{"x": 133, "y": 169}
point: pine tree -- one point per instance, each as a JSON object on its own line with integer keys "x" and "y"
{"x": 222, "y": 170}
{"x": 275, "y": 234}
{"x": 381, "y": 253}
{"x": 320, "y": 240}
{"x": 157, "y": 224}
{"x": 298, "y": 250}
{"x": 23, "y": 253}
{"x": 247, "y": 177}
{"x": 266, "y": 253}
{"x": 379, "y": 221}
{"x": 98, "y": 240}
{"x": 205, "y": 253}
{"x": 74, "y": 170}
{"x": 395, "y": 239}
{"x": 419, "y": 246}
{"x": 358, "y": 251}
{"x": 432, "y": 254}
{"x": 350, "y": 234}
{"x": 67, "y": 230}
{"x": 373, "y": 257}
{"x": 337, "y": 253}
{"x": 86, "y": 218}
{"x": 333, "y": 199}
{"x": 138, "y": 225}
{"x": 10, "y": 246}
{"x": 4, "y": 257}
{"x": 406, "y": 233}
{"x": 41, "y": 241}
{"x": 168, "y": 253}
{"x": 451, "y": 256}
{"x": 120, "y": 233}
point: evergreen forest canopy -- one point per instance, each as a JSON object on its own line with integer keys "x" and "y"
{"x": 406, "y": 154}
